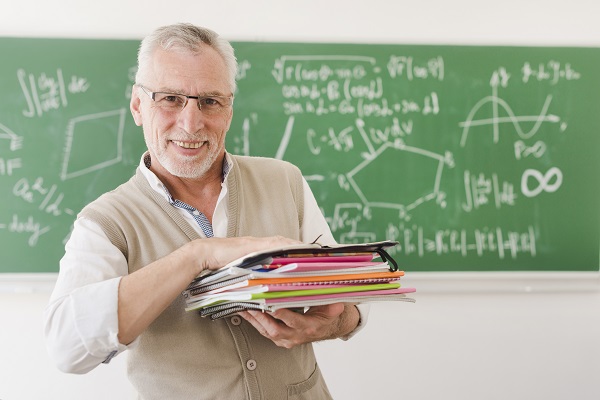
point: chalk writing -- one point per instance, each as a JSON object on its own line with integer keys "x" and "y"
{"x": 482, "y": 190}
{"x": 29, "y": 225}
{"x": 243, "y": 67}
{"x": 479, "y": 242}
{"x": 15, "y": 142}
{"x": 467, "y": 155}
{"x": 47, "y": 197}
{"x": 552, "y": 71}
{"x": 511, "y": 118}
{"x": 406, "y": 66}
{"x": 46, "y": 92}
{"x": 537, "y": 150}
{"x": 548, "y": 182}
{"x": 112, "y": 123}
{"x": 8, "y": 166}
{"x": 327, "y": 89}
{"x": 353, "y": 86}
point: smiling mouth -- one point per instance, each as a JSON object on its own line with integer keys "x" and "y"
{"x": 188, "y": 145}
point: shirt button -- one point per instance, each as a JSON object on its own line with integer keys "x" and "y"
{"x": 251, "y": 365}
{"x": 196, "y": 212}
{"x": 236, "y": 320}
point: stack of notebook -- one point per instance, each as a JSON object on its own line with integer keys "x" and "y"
{"x": 297, "y": 277}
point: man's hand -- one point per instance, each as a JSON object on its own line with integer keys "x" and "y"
{"x": 146, "y": 293}
{"x": 287, "y": 328}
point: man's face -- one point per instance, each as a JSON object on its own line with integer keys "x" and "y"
{"x": 190, "y": 142}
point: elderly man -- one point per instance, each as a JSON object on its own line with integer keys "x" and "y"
{"x": 190, "y": 206}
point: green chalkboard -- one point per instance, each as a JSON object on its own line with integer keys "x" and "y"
{"x": 474, "y": 158}
{"x": 66, "y": 136}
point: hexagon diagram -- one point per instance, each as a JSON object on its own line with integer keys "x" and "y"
{"x": 384, "y": 162}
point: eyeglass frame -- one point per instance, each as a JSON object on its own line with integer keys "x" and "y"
{"x": 152, "y": 96}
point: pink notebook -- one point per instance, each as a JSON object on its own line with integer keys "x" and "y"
{"x": 341, "y": 295}
{"x": 323, "y": 259}
{"x": 321, "y": 266}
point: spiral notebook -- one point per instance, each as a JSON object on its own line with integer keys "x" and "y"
{"x": 297, "y": 277}
{"x": 268, "y": 305}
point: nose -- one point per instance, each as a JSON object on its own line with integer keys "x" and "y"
{"x": 191, "y": 118}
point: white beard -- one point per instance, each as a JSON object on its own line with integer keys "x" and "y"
{"x": 187, "y": 167}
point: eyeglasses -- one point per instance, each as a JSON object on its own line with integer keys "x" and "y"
{"x": 176, "y": 102}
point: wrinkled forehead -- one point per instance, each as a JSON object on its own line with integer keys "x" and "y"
{"x": 185, "y": 71}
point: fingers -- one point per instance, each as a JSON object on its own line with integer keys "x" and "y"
{"x": 214, "y": 253}
{"x": 287, "y": 328}
{"x": 271, "y": 328}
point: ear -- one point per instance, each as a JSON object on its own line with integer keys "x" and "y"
{"x": 135, "y": 106}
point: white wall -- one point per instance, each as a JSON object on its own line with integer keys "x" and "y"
{"x": 493, "y": 336}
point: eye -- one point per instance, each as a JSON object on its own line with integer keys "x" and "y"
{"x": 170, "y": 100}
{"x": 173, "y": 98}
{"x": 211, "y": 102}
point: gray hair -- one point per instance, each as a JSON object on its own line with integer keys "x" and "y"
{"x": 187, "y": 37}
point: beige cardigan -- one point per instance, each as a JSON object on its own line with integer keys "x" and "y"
{"x": 181, "y": 355}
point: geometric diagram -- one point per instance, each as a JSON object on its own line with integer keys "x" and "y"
{"x": 391, "y": 152}
{"x": 7, "y": 166}
{"x": 16, "y": 142}
{"x": 427, "y": 161}
{"x": 511, "y": 118}
{"x": 93, "y": 142}
{"x": 348, "y": 214}
{"x": 552, "y": 179}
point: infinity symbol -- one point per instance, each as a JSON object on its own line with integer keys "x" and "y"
{"x": 542, "y": 180}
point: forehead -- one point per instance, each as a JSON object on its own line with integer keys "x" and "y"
{"x": 188, "y": 72}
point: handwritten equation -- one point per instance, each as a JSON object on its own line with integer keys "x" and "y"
{"x": 52, "y": 155}
{"x": 357, "y": 90}
{"x": 46, "y": 198}
{"x": 409, "y": 138}
{"x": 457, "y": 152}
{"x": 48, "y": 91}
{"x": 498, "y": 241}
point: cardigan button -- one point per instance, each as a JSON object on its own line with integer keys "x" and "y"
{"x": 236, "y": 320}
{"x": 251, "y": 365}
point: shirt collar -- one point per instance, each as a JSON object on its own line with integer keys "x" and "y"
{"x": 159, "y": 187}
